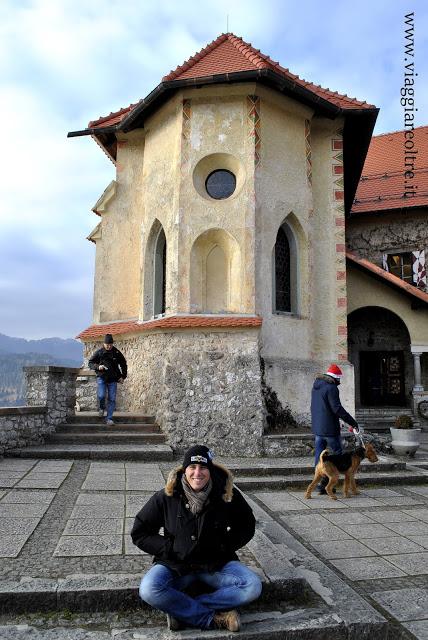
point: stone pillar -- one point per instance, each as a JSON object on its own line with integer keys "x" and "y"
{"x": 417, "y": 387}
{"x": 54, "y": 388}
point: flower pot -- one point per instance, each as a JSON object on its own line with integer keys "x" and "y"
{"x": 405, "y": 441}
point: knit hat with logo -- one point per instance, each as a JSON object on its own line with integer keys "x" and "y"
{"x": 199, "y": 454}
{"x": 334, "y": 371}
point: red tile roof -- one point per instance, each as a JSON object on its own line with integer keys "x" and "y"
{"x": 173, "y": 322}
{"x": 230, "y": 54}
{"x": 389, "y": 278}
{"x": 382, "y": 185}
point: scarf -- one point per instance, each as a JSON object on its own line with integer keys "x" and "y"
{"x": 196, "y": 499}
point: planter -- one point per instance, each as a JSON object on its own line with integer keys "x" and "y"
{"x": 405, "y": 441}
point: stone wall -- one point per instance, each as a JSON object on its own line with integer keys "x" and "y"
{"x": 372, "y": 236}
{"x": 202, "y": 386}
{"x": 50, "y": 398}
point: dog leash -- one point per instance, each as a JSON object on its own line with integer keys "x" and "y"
{"x": 358, "y": 436}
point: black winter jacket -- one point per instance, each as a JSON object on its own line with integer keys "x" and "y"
{"x": 115, "y": 362}
{"x": 326, "y": 408}
{"x": 202, "y": 542}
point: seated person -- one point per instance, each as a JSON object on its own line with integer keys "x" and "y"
{"x": 205, "y": 520}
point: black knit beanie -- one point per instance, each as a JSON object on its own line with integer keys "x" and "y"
{"x": 199, "y": 454}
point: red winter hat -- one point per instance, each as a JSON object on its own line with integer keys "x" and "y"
{"x": 334, "y": 371}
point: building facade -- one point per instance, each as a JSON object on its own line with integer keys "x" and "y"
{"x": 221, "y": 251}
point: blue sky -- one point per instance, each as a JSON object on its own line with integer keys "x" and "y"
{"x": 65, "y": 62}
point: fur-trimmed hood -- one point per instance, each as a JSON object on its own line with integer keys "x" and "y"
{"x": 221, "y": 476}
{"x": 325, "y": 378}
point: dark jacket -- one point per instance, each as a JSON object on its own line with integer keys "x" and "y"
{"x": 202, "y": 542}
{"x": 115, "y": 362}
{"x": 326, "y": 408}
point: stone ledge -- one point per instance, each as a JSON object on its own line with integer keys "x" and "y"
{"x": 19, "y": 411}
{"x": 51, "y": 369}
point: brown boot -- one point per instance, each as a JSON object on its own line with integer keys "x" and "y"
{"x": 229, "y": 620}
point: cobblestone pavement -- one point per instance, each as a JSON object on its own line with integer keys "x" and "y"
{"x": 377, "y": 541}
{"x": 65, "y": 518}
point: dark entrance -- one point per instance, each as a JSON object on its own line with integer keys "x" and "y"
{"x": 382, "y": 378}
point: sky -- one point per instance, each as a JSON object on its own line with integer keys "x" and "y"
{"x": 66, "y": 62}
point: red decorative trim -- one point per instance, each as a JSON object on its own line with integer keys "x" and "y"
{"x": 338, "y": 169}
{"x": 341, "y": 302}
{"x": 342, "y": 331}
{"x": 173, "y": 322}
{"x": 338, "y": 195}
{"x": 340, "y": 222}
{"x": 337, "y": 145}
{"x": 340, "y": 248}
{"x": 341, "y": 275}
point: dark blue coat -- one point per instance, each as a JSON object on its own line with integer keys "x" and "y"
{"x": 326, "y": 408}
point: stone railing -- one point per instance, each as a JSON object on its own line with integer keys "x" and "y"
{"x": 51, "y": 398}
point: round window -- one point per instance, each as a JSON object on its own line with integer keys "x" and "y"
{"x": 220, "y": 184}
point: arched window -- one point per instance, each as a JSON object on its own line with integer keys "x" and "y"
{"x": 159, "y": 279}
{"x": 285, "y": 271}
{"x": 217, "y": 281}
{"x": 282, "y": 272}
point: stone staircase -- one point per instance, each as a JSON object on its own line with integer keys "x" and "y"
{"x": 134, "y": 436}
{"x": 380, "y": 419}
{"x": 285, "y": 473}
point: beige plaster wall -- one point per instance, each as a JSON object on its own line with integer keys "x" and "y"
{"x": 366, "y": 291}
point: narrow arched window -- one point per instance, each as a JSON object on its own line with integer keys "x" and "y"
{"x": 282, "y": 272}
{"x": 159, "y": 280}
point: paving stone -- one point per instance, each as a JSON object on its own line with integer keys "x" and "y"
{"x": 131, "y": 549}
{"x": 349, "y": 517}
{"x": 419, "y": 629}
{"x": 421, "y": 540}
{"x": 104, "y": 545}
{"x": 92, "y": 526}
{"x": 129, "y": 523}
{"x": 28, "y": 496}
{"x": 305, "y": 520}
{"x": 22, "y": 510}
{"x": 104, "y": 486}
{"x": 98, "y": 511}
{"x": 420, "y": 514}
{"x": 361, "y": 531}
{"x": 412, "y": 563}
{"x": 388, "y": 546}
{"x": 414, "y": 528}
{"x": 319, "y": 534}
{"x": 2, "y": 493}
{"x": 390, "y": 516}
{"x": 138, "y": 484}
{"x": 324, "y": 503}
{"x": 404, "y": 604}
{"x": 358, "y": 501}
{"x": 52, "y": 466}
{"x": 10, "y": 546}
{"x": 281, "y": 502}
{"x": 43, "y": 481}
{"x": 101, "y": 499}
{"x": 380, "y": 493}
{"x": 136, "y": 502}
{"x": 342, "y": 549}
{"x": 8, "y": 483}
{"x": 399, "y": 502}
{"x": 11, "y": 473}
{"x": 422, "y": 491}
{"x": 18, "y": 526}
{"x": 17, "y": 465}
{"x": 367, "y": 568}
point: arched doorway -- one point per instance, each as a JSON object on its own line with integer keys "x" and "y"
{"x": 379, "y": 349}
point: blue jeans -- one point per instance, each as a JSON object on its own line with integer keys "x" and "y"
{"x": 234, "y": 585}
{"x": 110, "y": 388}
{"x": 334, "y": 443}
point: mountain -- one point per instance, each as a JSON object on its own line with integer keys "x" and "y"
{"x": 56, "y": 347}
{"x": 16, "y": 353}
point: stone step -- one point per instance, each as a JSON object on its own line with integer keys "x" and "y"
{"x": 288, "y": 467}
{"x": 106, "y": 438}
{"x": 151, "y": 453}
{"x": 100, "y": 426}
{"x": 382, "y": 478}
{"x": 120, "y": 416}
{"x": 107, "y": 592}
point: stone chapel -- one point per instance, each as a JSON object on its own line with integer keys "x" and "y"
{"x": 220, "y": 249}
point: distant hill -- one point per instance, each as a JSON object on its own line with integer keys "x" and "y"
{"x": 56, "y": 347}
{"x": 16, "y": 353}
